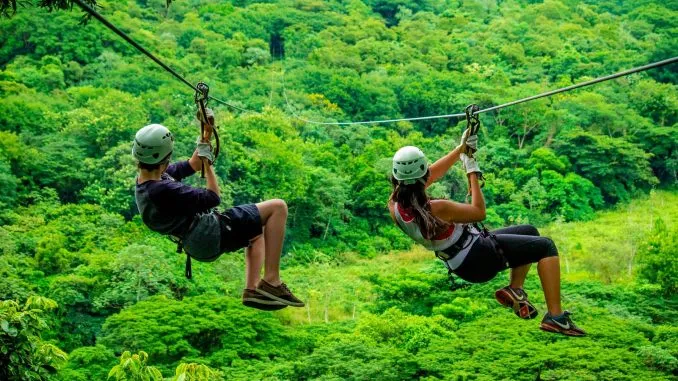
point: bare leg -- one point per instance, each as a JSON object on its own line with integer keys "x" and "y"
{"x": 274, "y": 218}
{"x": 549, "y": 274}
{"x": 254, "y": 259}
{"x": 518, "y": 275}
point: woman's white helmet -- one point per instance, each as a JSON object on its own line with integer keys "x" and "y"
{"x": 152, "y": 144}
{"x": 409, "y": 165}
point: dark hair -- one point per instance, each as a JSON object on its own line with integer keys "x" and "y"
{"x": 153, "y": 167}
{"x": 414, "y": 197}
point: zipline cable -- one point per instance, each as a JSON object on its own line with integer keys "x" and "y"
{"x": 460, "y": 115}
{"x": 140, "y": 48}
{"x": 127, "y": 38}
{"x": 148, "y": 54}
{"x": 586, "y": 83}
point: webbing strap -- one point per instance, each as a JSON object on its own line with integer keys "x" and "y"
{"x": 189, "y": 270}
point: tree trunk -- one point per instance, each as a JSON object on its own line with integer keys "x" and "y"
{"x": 327, "y": 227}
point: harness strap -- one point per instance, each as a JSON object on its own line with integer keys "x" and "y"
{"x": 189, "y": 270}
{"x": 180, "y": 249}
{"x": 497, "y": 246}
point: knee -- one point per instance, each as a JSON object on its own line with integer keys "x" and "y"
{"x": 280, "y": 206}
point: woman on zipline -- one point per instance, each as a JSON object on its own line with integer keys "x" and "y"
{"x": 169, "y": 207}
{"x": 446, "y": 228}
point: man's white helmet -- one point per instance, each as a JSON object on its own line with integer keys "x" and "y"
{"x": 152, "y": 144}
{"x": 409, "y": 165}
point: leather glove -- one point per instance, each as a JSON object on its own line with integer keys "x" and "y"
{"x": 205, "y": 152}
{"x": 471, "y": 142}
{"x": 210, "y": 116}
{"x": 470, "y": 164}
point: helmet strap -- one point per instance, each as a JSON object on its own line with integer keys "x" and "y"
{"x": 413, "y": 181}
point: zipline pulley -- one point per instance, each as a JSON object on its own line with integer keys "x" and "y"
{"x": 201, "y": 99}
{"x": 473, "y": 127}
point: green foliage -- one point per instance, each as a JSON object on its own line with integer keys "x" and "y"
{"x": 134, "y": 368}
{"x": 23, "y": 353}
{"x": 73, "y": 96}
{"x": 196, "y": 372}
{"x": 215, "y": 329}
{"x": 88, "y": 363}
{"x": 616, "y": 165}
{"x": 655, "y": 265}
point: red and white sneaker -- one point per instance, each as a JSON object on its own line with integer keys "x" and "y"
{"x": 516, "y": 299}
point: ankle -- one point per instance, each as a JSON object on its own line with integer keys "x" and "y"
{"x": 273, "y": 281}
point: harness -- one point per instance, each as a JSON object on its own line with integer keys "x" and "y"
{"x": 201, "y": 98}
{"x": 452, "y": 250}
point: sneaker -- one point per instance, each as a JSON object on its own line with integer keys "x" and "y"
{"x": 280, "y": 293}
{"x": 251, "y": 298}
{"x": 561, "y": 324}
{"x": 516, "y": 299}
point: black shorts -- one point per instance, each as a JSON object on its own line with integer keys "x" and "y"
{"x": 520, "y": 244}
{"x": 239, "y": 225}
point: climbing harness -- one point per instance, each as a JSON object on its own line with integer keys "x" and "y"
{"x": 201, "y": 99}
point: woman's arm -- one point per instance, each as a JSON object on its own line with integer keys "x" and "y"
{"x": 457, "y": 212}
{"x": 442, "y": 165}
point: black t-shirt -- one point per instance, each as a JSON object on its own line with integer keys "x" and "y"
{"x": 167, "y": 206}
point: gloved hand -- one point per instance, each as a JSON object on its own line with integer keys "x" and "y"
{"x": 471, "y": 142}
{"x": 470, "y": 164}
{"x": 205, "y": 152}
{"x": 210, "y": 116}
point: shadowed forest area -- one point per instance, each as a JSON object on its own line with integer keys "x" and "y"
{"x": 87, "y": 292}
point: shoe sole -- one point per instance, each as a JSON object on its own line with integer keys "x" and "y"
{"x": 549, "y": 328}
{"x": 264, "y": 307}
{"x": 507, "y": 301}
{"x": 262, "y": 301}
{"x": 281, "y": 300}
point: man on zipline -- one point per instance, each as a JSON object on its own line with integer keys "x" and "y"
{"x": 171, "y": 208}
{"x": 473, "y": 254}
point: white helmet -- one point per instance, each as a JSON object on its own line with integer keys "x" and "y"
{"x": 152, "y": 144}
{"x": 409, "y": 165}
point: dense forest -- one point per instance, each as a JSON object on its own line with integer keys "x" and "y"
{"x": 87, "y": 292}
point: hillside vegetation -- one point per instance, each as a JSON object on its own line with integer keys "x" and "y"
{"x": 83, "y": 281}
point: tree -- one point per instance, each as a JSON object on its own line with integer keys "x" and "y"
{"x": 23, "y": 353}
{"x": 618, "y": 167}
{"x": 658, "y": 262}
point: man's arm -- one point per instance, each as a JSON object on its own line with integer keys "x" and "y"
{"x": 195, "y": 162}
{"x": 211, "y": 179}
